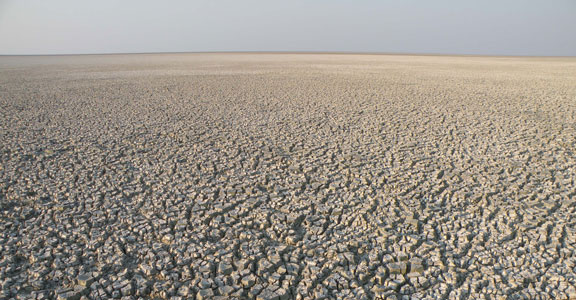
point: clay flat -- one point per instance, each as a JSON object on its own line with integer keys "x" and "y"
{"x": 287, "y": 176}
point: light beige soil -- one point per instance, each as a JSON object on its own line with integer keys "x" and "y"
{"x": 288, "y": 176}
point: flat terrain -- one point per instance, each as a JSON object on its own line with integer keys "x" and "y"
{"x": 287, "y": 176}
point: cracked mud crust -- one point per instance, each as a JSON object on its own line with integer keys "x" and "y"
{"x": 276, "y": 176}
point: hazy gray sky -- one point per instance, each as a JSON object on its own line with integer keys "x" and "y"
{"x": 508, "y": 27}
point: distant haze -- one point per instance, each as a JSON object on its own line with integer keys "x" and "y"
{"x": 494, "y": 27}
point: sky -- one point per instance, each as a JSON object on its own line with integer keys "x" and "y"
{"x": 490, "y": 27}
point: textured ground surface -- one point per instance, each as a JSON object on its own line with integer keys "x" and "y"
{"x": 287, "y": 176}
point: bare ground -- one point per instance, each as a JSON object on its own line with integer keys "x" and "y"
{"x": 280, "y": 176}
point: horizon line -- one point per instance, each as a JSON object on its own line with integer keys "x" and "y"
{"x": 299, "y": 52}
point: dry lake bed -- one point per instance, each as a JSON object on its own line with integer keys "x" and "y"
{"x": 287, "y": 176}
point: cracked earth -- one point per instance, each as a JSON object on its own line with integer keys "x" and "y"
{"x": 277, "y": 176}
